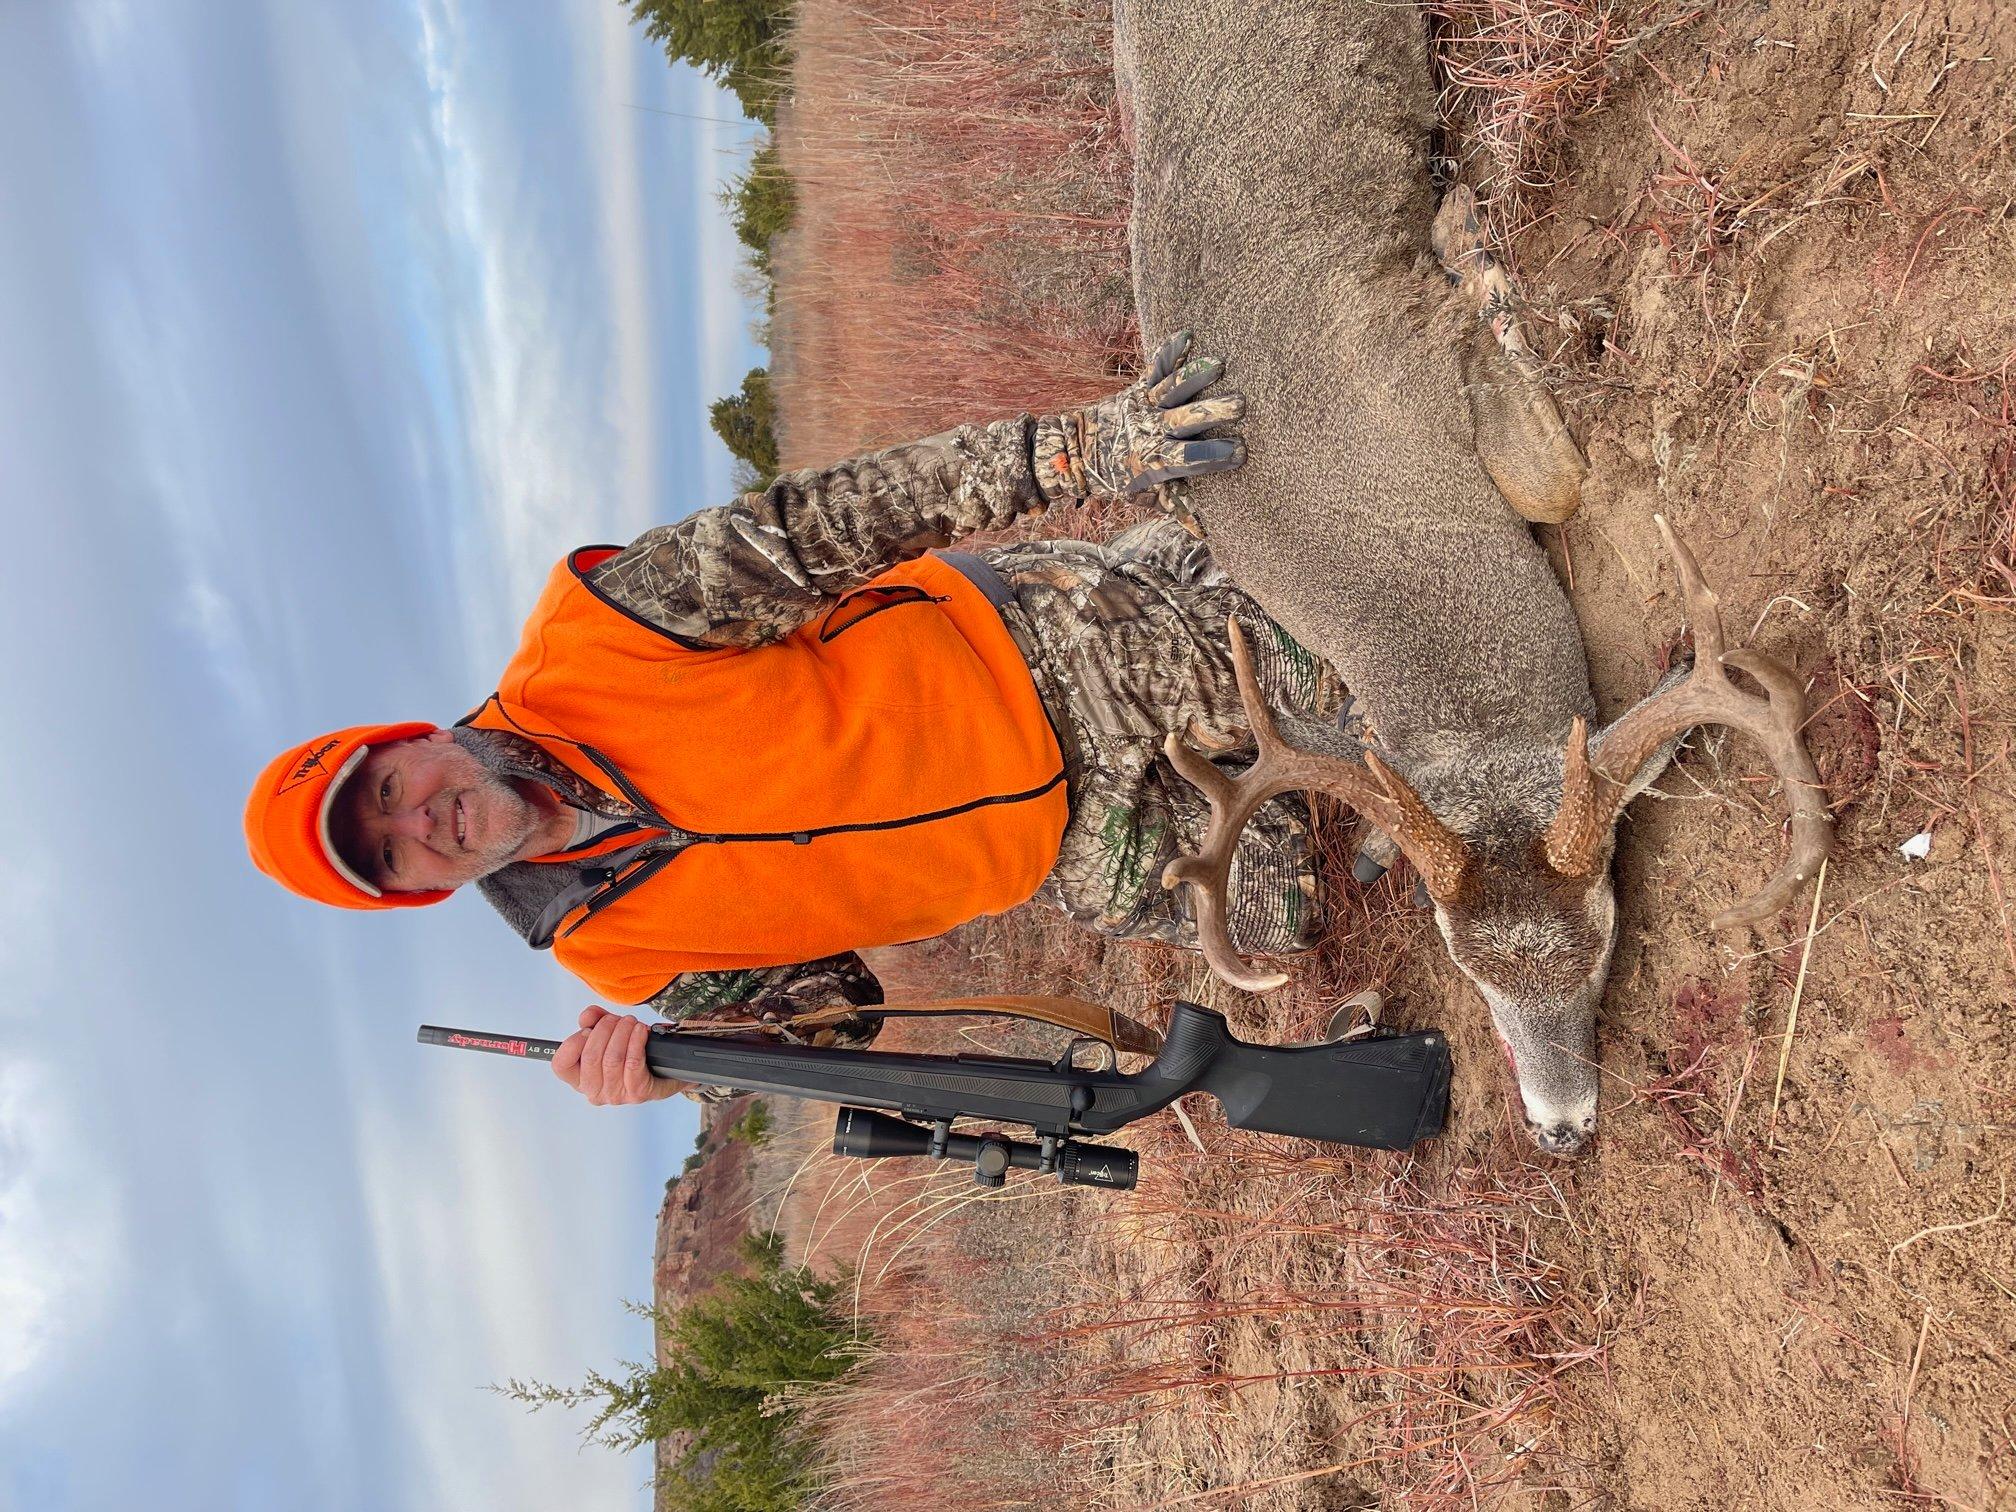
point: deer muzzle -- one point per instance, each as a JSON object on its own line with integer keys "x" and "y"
{"x": 1566, "y": 1135}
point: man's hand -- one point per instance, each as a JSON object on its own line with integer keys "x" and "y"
{"x": 1141, "y": 437}
{"x": 604, "y": 1061}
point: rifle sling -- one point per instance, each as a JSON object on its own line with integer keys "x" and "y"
{"x": 1091, "y": 1020}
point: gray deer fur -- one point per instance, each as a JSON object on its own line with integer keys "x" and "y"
{"x": 1282, "y": 213}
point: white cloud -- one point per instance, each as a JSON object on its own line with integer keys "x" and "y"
{"x": 479, "y": 1230}
{"x": 554, "y": 370}
{"x": 58, "y": 1235}
{"x": 155, "y": 337}
{"x": 603, "y": 81}
{"x": 150, "y": 330}
{"x": 104, "y": 27}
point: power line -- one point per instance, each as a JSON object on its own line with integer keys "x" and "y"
{"x": 684, "y": 115}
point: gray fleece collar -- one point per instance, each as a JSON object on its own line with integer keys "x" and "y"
{"x": 534, "y": 897}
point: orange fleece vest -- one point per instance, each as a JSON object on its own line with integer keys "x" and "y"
{"x": 882, "y": 774}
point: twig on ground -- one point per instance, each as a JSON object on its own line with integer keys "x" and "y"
{"x": 1798, "y": 991}
{"x": 1953, "y": 1228}
{"x": 1189, "y": 1128}
{"x": 1910, "y": 1387}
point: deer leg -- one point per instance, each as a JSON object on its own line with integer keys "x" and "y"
{"x": 1374, "y": 851}
{"x": 1521, "y": 438}
{"x": 1376, "y": 855}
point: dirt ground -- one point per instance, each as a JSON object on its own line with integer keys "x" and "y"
{"x": 1807, "y": 369}
{"x": 1769, "y": 255}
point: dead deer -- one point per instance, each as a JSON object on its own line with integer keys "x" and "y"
{"x": 1282, "y": 211}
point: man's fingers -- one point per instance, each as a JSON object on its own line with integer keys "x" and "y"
{"x": 1192, "y": 459}
{"x": 637, "y": 1078}
{"x": 615, "y": 1050}
{"x": 604, "y": 1060}
{"x": 1187, "y": 420}
{"x": 1167, "y": 355}
{"x": 594, "y": 1056}
{"x": 1186, "y": 382}
{"x": 567, "y": 1059}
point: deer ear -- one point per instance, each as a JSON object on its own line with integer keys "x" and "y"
{"x": 1655, "y": 765}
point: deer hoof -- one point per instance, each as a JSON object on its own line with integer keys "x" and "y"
{"x": 1527, "y": 450}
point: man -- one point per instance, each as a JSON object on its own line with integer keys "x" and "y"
{"x": 729, "y": 755}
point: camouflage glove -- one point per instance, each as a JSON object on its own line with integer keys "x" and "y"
{"x": 1141, "y": 437}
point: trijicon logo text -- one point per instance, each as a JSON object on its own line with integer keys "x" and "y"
{"x": 309, "y": 764}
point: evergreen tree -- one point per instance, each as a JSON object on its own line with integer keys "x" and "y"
{"x": 746, "y": 423}
{"x": 737, "y": 43}
{"x": 762, "y": 202}
{"x": 737, "y": 1353}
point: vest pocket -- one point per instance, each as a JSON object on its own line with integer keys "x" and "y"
{"x": 866, "y": 603}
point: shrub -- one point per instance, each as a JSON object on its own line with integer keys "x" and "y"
{"x": 740, "y": 1361}
{"x": 746, "y": 423}
{"x": 753, "y": 1127}
{"x": 763, "y": 204}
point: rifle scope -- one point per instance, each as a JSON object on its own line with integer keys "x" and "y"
{"x": 867, "y": 1135}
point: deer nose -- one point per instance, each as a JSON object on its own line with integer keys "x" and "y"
{"x": 1563, "y": 1138}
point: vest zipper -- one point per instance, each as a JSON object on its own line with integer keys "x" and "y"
{"x": 613, "y": 890}
{"x": 807, "y": 836}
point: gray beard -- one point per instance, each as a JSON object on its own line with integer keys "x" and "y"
{"x": 499, "y": 768}
{"x": 513, "y": 756}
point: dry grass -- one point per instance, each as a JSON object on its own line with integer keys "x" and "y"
{"x": 1517, "y": 75}
{"x": 961, "y": 250}
{"x": 1403, "y": 1315}
{"x": 1260, "y": 1322}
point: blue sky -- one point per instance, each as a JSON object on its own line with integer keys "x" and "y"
{"x": 326, "y": 326}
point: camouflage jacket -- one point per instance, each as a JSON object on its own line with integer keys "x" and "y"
{"x": 751, "y": 572}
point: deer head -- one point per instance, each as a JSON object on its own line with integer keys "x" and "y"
{"x": 1514, "y": 845}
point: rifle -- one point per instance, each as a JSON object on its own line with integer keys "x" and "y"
{"x": 1384, "y": 1091}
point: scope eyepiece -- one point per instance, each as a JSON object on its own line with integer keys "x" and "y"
{"x": 1098, "y": 1165}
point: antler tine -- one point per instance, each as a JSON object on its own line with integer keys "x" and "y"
{"x": 1707, "y": 696}
{"x": 1704, "y": 605}
{"x": 1278, "y": 768}
{"x": 1232, "y": 804}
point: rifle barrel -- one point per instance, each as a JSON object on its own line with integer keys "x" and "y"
{"x": 494, "y": 1044}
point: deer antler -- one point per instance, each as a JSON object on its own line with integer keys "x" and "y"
{"x": 1373, "y": 789}
{"x": 1593, "y": 791}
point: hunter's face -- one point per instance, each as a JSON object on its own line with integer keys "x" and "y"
{"x": 424, "y": 814}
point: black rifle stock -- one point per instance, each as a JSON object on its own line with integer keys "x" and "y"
{"x": 1385, "y": 1091}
